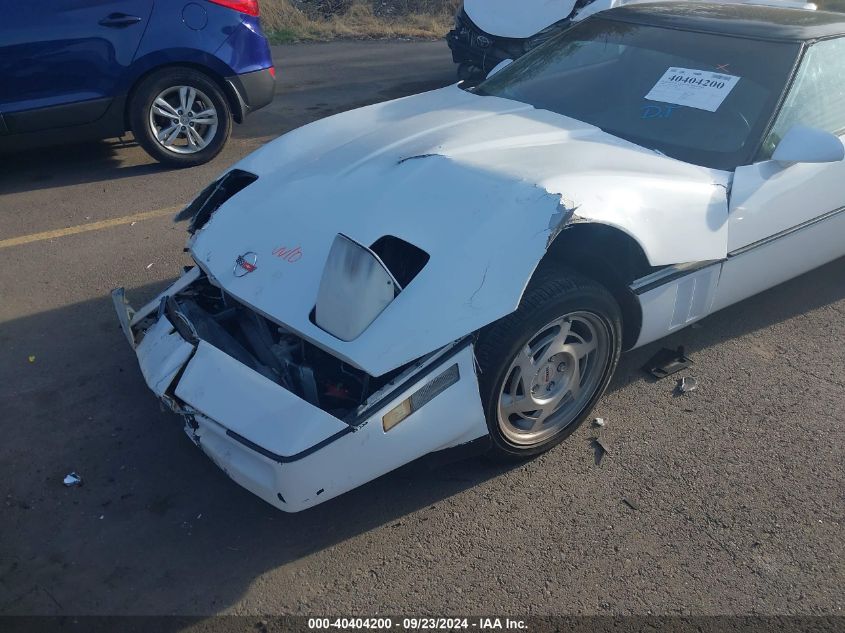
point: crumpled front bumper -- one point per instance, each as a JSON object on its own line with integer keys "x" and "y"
{"x": 475, "y": 48}
{"x": 285, "y": 450}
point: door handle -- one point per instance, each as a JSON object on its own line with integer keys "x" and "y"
{"x": 119, "y": 20}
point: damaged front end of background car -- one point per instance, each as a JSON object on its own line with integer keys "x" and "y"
{"x": 487, "y": 32}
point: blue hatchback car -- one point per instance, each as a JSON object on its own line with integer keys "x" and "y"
{"x": 176, "y": 73}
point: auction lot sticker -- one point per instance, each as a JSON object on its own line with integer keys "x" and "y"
{"x": 700, "y": 89}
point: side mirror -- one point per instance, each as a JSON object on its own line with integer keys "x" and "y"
{"x": 502, "y": 64}
{"x": 802, "y": 144}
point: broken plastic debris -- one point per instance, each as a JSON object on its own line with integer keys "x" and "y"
{"x": 150, "y": 265}
{"x": 630, "y": 503}
{"x": 598, "y": 422}
{"x": 667, "y": 362}
{"x": 72, "y": 479}
{"x": 600, "y": 450}
{"x": 32, "y": 358}
{"x": 687, "y": 384}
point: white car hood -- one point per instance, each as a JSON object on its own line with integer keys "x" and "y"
{"x": 479, "y": 183}
{"x": 516, "y": 18}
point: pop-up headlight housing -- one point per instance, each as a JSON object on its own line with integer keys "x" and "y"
{"x": 358, "y": 282}
{"x": 209, "y": 200}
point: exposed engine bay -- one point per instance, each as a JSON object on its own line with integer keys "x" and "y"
{"x": 204, "y": 312}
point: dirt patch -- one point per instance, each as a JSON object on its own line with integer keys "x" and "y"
{"x": 322, "y": 20}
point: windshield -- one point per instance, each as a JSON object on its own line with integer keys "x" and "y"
{"x": 702, "y": 98}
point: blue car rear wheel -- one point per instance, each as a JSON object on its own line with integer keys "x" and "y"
{"x": 180, "y": 116}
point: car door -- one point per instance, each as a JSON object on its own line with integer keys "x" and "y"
{"x": 61, "y": 60}
{"x": 786, "y": 219}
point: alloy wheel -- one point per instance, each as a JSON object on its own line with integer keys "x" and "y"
{"x": 553, "y": 378}
{"x": 183, "y": 119}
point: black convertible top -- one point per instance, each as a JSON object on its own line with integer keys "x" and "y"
{"x": 741, "y": 20}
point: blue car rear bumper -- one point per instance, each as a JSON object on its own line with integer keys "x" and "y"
{"x": 254, "y": 90}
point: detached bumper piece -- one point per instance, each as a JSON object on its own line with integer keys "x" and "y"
{"x": 258, "y": 425}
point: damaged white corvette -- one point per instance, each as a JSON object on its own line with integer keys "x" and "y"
{"x": 468, "y": 265}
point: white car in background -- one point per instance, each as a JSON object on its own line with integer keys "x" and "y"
{"x": 487, "y": 32}
{"x": 464, "y": 267}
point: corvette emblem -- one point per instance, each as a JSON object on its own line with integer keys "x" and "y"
{"x": 245, "y": 264}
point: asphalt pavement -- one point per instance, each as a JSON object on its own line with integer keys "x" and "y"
{"x": 726, "y": 500}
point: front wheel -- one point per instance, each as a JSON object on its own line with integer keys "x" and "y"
{"x": 544, "y": 367}
{"x": 180, "y": 117}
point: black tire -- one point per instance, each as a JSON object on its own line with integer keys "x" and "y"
{"x": 155, "y": 84}
{"x": 547, "y": 298}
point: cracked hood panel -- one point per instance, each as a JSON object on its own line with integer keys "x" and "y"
{"x": 476, "y": 182}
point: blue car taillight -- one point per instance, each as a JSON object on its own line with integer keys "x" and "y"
{"x": 250, "y": 7}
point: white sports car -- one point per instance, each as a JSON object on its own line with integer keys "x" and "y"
{"x": 464, "y": 267}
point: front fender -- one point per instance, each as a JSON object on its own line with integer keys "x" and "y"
{"x": 673, "y": 219}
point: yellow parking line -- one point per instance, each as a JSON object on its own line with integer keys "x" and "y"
{"x": 84, "y": 228}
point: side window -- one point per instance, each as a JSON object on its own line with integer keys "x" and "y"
{"x": 817, "y": 97}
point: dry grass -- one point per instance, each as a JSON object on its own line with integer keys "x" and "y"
{"x": 377, "y": 19}
{"x": 367, "y": 19}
